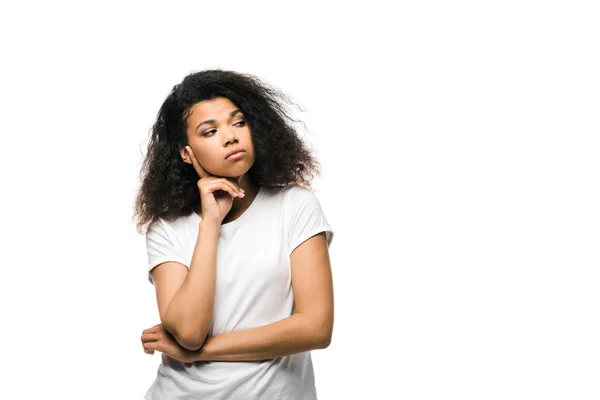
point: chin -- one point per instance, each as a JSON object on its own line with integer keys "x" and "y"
{"x": 232, "y": 172}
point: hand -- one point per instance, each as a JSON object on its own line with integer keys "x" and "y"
{"x": 214, "y": 203}
{"x": 157, "y": 338}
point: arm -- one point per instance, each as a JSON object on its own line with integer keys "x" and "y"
{"x": 308, "y": 329}
{"x": 190, "y": 312}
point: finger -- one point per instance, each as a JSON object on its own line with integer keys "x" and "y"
{"x": 222, "y": 184}
{"x": 153, "y": 329}
{"x": 236, "y": 186}
{"x": 201, "y": 172}
{"x": 157, "y": 346}
{"x": 150, "y": 346}
{"x": 149, "y": 337}
{"x": 234, "y": 181}
{"x": 146, "y": 346}
{"x": 225, "y": 184}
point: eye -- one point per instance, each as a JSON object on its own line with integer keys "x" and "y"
{"x": 213, "y": 130}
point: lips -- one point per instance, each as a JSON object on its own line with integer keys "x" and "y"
{"x": 234, "y": 152}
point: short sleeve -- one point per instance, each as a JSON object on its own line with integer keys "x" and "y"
{"x": 160, "y": 247}
{"x": 305, "y": 217}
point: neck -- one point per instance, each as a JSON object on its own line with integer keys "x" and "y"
{"x": 241, "y": 203}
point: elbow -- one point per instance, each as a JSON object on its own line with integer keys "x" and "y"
{"x": 191, "y": 345}
{"x": 192, "y": 342}
{"x": 322, "y": 330}
{"x": 323, "y": 335}
{"x": 324, "y": 340}
{"x": 189, "y": 340}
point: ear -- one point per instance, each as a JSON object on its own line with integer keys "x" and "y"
{"x": 184, "y": 155}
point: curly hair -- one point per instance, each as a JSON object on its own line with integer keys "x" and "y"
{"x": 169, "y": 185}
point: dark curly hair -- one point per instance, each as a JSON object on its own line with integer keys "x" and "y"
{"x": 169, "y": 185}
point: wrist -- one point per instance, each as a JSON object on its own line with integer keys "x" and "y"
{"x": 210, "y": 224}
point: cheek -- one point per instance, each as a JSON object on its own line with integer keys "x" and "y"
{"x": 249, "y": 141}
{"x": 203, "y": 156}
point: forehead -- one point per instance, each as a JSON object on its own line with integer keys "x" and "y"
{"x": 214, "y": 108}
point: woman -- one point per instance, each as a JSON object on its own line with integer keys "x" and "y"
{"x": 237, "y": 244}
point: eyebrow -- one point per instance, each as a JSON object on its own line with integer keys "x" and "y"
{"x": 212, "y": 121}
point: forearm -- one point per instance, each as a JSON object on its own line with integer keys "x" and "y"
{"x": 190, "y": 312}
{"x": 294, "y": 334}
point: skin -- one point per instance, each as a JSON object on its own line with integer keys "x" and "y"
{"x": 309, "y": 328}
{"x": 312, "y": 325}
{"x": 210, "y": 143}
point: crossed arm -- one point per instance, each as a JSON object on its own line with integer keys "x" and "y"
{"x": 308, "y": 329}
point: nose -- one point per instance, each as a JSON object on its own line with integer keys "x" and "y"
{"x": 230, "y": 136}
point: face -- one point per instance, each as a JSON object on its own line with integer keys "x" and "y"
{"x": 215, "y": 128}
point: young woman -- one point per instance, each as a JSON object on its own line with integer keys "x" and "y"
{"x": 237, "y": 244}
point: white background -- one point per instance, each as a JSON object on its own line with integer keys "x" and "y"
{"x": 460, "y": 153}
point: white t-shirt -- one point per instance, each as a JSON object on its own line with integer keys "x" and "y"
{"x": 253, "y": 288}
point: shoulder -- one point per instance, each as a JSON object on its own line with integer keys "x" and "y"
{"x": 158, "y": 231}
{"x": 162, "y": 226}
{"x": 287, "y": 193}
{"x": 156, "y": 226}
{"x": 291, "y": 198}
{"x": 299, "y": 199}
{"x": 298, "y": 193}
